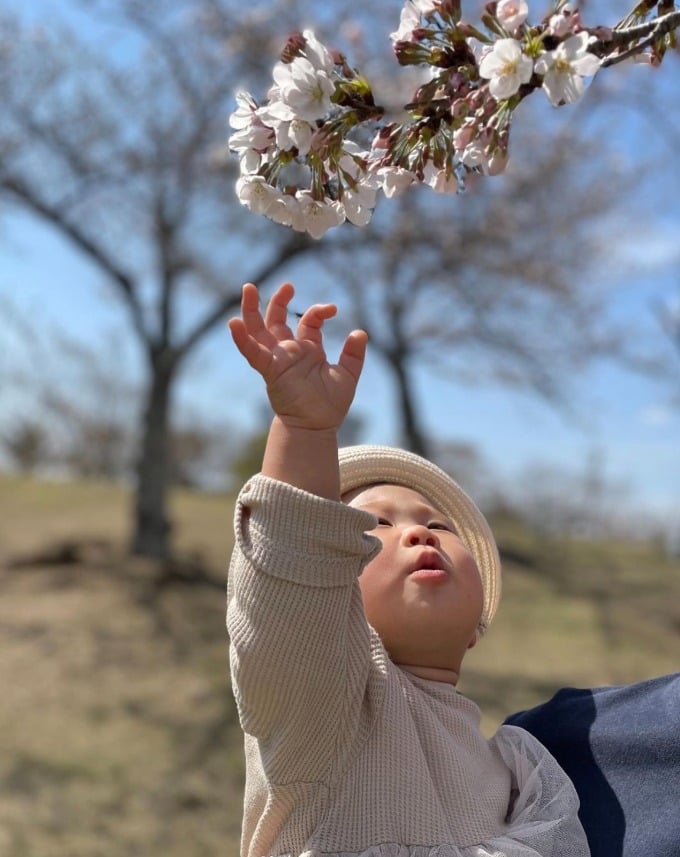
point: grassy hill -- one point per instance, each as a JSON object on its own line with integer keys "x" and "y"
{"x": 118, "y": 735}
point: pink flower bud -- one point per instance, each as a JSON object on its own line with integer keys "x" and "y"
{"x": 459, "y": 108}
{"x": 467, "y": 31}
{"x": 463, "y": 135}
{"x": 381, "y": 140}
{"x": 450, "y": 9}
{"x": 511, "y": 14}
{"x": 294, "y": 47}
{"x": 410, "y": 53}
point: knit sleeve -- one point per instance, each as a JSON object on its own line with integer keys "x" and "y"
{"x": 299, "y": 640}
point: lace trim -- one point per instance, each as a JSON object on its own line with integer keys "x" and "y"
{"x": 395, "y": 850}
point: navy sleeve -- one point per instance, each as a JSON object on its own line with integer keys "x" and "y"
{"x": 621, "y": 748}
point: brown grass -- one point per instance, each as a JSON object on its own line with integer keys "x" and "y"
{"x": 118, "y": 735}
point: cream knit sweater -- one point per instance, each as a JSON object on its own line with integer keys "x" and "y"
{"x": 346, "y": 754}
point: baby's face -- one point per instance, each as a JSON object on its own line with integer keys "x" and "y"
{"x": 422, "y": 593}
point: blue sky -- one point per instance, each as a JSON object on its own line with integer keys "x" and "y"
{"x": 629, "y": 423}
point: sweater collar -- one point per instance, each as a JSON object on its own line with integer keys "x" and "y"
{"x": 431, "y": 674}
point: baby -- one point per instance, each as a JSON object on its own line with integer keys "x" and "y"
{"x": 360, "y": 577}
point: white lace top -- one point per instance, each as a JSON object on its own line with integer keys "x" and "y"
{"x": 346, "y": 754}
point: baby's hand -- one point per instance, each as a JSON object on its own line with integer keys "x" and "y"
{"x": 304, "y": 389}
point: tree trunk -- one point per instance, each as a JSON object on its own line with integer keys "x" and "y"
{"x": 151, "y": 535}
{"x": 413, "y": 437}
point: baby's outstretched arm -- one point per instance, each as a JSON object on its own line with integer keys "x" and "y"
{"x": 310, "y": 396}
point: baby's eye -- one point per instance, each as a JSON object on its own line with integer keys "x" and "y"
{"x": 384, "y": 522}
{"x": 440, "y": 525}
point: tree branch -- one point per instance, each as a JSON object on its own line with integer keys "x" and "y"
{"x": 120, "y": 279}
{"x": 297, "y": 244}
{"x": 649, "y": 32}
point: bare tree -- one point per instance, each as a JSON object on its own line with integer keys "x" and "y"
{"x": 110, "y": 133}
{"x": 668, "y": 316}
{"x": 110, "y": 139}
{"x": 27, "y": 444}
{"x": 496, "y": 286}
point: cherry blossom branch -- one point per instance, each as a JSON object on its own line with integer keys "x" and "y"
{"x": 305, "y": 160}
{"x": 649, "y": 32}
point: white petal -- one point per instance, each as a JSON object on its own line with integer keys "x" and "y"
{"x": 249, "y": 161}
{"x": 575, "y": 45}
{"x": 243, "y": 115}
{"x": 274, "y": 112}
{"x": 544, "y": 62}
{"x": 490, "y": 65}
{"x": 408, "y": 21}
{"x": 507, "y": 50}
{"x": 572, "y": 88}
{"x": 318, "y": 217}
{"x": 526, "y": 69}
{"x": 280, "y": 211}
{"x": 479, "y": 49}
{"x": 254, "y": 192}
{"x": 504, "y": 86}
{"x": 317, "y": 53}
{"x": 587, "y": 65}
{"x": 358, "y": 214}
{"x": 395, "y": 180}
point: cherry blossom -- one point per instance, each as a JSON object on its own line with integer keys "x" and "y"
{"x": 316, "y": 216}
{"x": 511, "y": 14}
{"x": 296, "y": 134}
{"x": 410, "y": 17}
{"x": 358, "y": 205}
{"x": 506, "y": 68}
{"x": 251, "y": 136}
{"x": 395, "y": 180}
{"x": 256, "y": 193}
{"x": 305, "y": 90}
{"x": 408, "y": 21}
{"x": 564, "y": 68}
{"x": 284, "y": 209}
{"x": 242, "y": 117}
{"x": 258, "y": 136}
{"x": 317, "y": 53}
{"x": 564, "y": 22}
{"x": 359, "y": 189}
{"x": 479, "y": 49}
{"x": 441, "y": 181}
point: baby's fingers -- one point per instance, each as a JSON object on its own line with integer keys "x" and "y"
{"x": 276, "y": 319}
{"x": 353, "y": 353}
{"x": 259, "y": 356}
{"x": 250, "y": 310}
{"x": 312, "y": 321}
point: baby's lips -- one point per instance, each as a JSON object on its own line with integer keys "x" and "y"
{"x": 429, "y": 560}
{"x": 429, "y": 575}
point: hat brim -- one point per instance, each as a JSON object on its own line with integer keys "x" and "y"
{"x": 367, "y": 465}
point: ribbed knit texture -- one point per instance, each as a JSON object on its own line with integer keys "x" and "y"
{"x": 345, "y": 753}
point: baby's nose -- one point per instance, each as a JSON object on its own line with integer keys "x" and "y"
{"x": 420, "y": 535}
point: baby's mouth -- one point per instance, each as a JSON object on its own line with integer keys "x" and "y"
{"x": 429, "y": 566}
